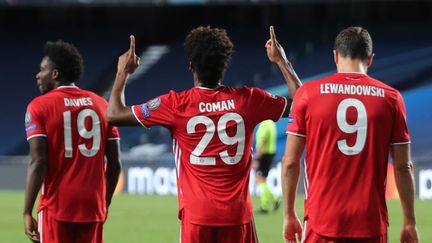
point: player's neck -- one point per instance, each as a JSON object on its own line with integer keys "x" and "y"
{"x": 351, "y": 66}
{"x": 207, "y": 86}
{"x": 62, "y": 84}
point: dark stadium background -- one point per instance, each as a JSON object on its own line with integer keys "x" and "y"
{"x": 401, "y": 31}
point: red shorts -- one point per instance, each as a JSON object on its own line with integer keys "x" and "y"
{"x": 54, "y": 231}
{"x": 194, "y": 233}
{"x": 310, "y": 236}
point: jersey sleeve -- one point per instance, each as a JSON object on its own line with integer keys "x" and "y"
{"x": 267, "y": 106}
{"x": 297, "y": 118}
{"x": 400, "y": 134}
{"x": 113, "y": 133}
{"x": 34, "y": 122}
{"x": 158, "y": 111}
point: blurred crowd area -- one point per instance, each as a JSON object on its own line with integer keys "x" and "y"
{"x": 101, "y": 28}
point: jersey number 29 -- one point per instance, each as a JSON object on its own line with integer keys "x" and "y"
{"x": 239, "y": 138}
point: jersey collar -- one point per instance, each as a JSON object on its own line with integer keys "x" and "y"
{"x": 67, "y": 86}
{"x": 205, "y": 88}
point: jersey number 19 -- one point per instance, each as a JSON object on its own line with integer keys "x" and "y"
{"x": 94, "y": 133}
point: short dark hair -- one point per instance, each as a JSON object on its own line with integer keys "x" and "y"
{"x": 66, "y": 59}
{"x": 354, "y": 42}
{"x": 209, "y": 50}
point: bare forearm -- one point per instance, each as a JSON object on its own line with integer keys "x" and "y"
{"x": 290, "y": 175}
{"x": 117, "y": 99}
{"x": 35, "y": 175}
{"x": 292, "y": 80}
{"x": 405, "y": 184}
{"x": 118, "y": 113}
{"x": 112, "y": 176}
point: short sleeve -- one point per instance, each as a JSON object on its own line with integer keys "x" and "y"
{"x": 297, "y": 118}
{"x": 400, "y": 134}
{"x": 267, "y": 106}
{"x": 34, "y": 122}
{"x": 113, "y": 133}
{"x": 157, "y": 111}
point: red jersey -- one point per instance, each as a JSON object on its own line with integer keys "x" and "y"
{"x": 212, "y": 132}
{"x": 73, "y": 122}
{"x": 349, "y": 121}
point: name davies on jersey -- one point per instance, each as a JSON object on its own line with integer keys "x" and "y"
{"x": 85, "y": 101}
{"x": 223, "y": 105}
{"x": 351, "y": 89}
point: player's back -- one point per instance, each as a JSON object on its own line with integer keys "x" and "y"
{"x": 73, "y": 120}
{"x": 212, "y": 133}
{"x": 351, "y": 121}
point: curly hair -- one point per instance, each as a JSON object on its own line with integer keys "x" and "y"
{"x": 66, "y": 59}
{"x": 209, "y": 50}
{"x": 354, "y": 42}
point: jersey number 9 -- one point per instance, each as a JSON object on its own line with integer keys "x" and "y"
{"x": 360, "y": 127}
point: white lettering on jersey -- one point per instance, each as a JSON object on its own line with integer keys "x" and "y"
{"x": 224, "y": 105}
{"x": 351, "y": 89}
{"x": 85, "y": 101}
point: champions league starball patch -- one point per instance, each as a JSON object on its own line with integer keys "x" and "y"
{"x": 290, "y": 119}
{"x": 27, "y": 119}
{"x": 30, "y": 127}
{"x": 153, "y": 104}
{"x": 145, "y": 110}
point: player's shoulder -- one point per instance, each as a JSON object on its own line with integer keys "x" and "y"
{"x": 381, "y": 84}
{"x": 244, "y": 90}
{"x": 42, "y": 100}
{"x": 94, "y": 96}
{"x": 389, "y": 91}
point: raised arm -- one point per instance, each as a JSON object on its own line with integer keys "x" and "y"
{"x": 405, "y": 184}
{"x": 118, "y": 113}
{"x": 35, "y": 174}
{"x": 276, "y": 55}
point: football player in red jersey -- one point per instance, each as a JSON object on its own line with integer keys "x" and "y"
{"x": 69, "y": 137}
{"x": 349, "y": 123}
{"x": 212, "y": 129}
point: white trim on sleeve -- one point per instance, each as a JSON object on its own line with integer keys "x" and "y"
{"x": 113, "y": 138}
{"x": 295, "y": 134}
{"x": 283, "y": 110}
{"x": 408, "y": 142}
{"x": 36, "y": 135}
{"x": 136, "y": 117}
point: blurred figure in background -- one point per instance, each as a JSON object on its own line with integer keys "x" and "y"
{"x": 266, "y": 139}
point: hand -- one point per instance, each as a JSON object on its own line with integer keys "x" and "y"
{"x": 129, "y": 61}
{"x": 409, "y": 233}
{"x": 291, "y": 228}
{"x": 275, "y": 51}
{"x": 30, "y": 228}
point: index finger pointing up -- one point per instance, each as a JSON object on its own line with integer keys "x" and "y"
{"x": 272, "y": 34}
{"x": 132, "y": 44}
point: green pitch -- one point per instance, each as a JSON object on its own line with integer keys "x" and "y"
{"x": 154, "y": 219}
